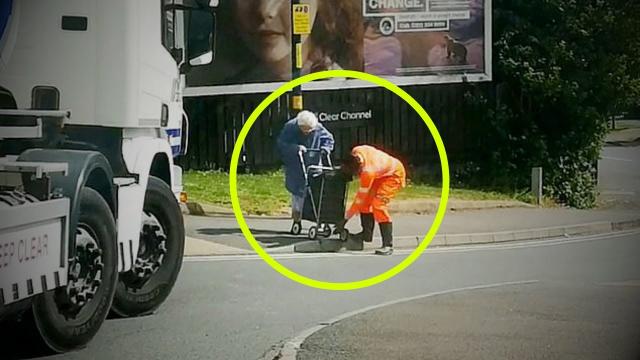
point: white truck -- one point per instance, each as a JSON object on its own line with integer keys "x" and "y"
{"x": 91, "y": 118}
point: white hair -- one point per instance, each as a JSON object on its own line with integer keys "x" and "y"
{"x": 307, "y": 119}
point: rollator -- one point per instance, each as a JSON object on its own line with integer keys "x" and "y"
{"x": 326, "y": 195}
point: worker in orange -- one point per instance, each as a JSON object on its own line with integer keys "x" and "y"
{"x": 381, "y": 177}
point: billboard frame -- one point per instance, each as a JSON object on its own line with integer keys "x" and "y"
{"x": 339, "y": 84}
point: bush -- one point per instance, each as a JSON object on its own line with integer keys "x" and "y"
{"x": 573, "y": 183}
{"x": 562, "y": 68}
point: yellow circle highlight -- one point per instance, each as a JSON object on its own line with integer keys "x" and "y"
{"x": 444, "y": 196}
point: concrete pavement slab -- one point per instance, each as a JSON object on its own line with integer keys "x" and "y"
{"x": 628, "y": 137}
{"x": 407, "y": 206}
{"x": 438, "y": 240}
{"x": 458, "y": 228}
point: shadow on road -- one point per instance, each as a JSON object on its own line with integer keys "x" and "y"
{"x": 227, "y": 231}
{"x": 280, "y": 241}
{"x": 20, "y": 339}
{"x": 270, "y": 238}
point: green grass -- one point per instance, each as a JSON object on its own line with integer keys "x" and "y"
{"x": 258, "y": 194}
{"x": 265, "y": 194}
{"x": 413, "y": 191}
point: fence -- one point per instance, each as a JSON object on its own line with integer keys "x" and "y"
{"x": 378, "y": 117}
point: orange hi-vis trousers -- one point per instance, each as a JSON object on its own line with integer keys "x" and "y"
{"x": 381, "y": 177}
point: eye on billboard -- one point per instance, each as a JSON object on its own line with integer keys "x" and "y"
{"x": 408, "y": 42}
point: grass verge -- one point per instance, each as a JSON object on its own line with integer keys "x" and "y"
{"x": 264, "y": 194}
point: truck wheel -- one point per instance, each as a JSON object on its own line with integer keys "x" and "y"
{"x": 144, "y": 288}
{"x": 69, "y": 317}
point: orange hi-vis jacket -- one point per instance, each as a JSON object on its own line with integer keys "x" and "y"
{"x": 381, "y": 177}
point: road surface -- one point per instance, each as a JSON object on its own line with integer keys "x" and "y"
{"x": 619, "y": 176}
{"x": 239, "y": 308}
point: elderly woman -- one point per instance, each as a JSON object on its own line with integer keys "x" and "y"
{"x": 299, "y": 134}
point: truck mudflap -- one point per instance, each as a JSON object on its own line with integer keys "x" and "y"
{"x": 33, "y": 248}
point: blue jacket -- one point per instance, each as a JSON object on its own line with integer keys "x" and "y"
{"x": 288, "y": 141}
{"x": 5, "y": 13}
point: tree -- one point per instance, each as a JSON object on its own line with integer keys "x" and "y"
{"x": 562, "y": 68}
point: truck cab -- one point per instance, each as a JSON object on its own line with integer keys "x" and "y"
{"x": 91, "y": 119}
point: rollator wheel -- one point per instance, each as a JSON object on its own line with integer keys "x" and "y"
{"x": 313, "y": 233}
{"x": 326, "y": 230}
{"x": 344, "y": 234}
{"x": 296, "y": 228}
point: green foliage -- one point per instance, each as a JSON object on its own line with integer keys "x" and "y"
{"x": 573, "y": 183}
{"x": 561, "y": 69}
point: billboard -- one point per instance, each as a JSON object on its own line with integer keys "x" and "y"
{"x": 405, "y": 41}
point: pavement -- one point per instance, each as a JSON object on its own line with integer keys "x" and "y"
{"x": 406, "y": 206}
{"x": 627, "y": 133}
{"x": 220, "y": 235}
{"x": 619, "y": 177}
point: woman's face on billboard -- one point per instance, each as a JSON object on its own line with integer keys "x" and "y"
{"x": 264, "y": 26}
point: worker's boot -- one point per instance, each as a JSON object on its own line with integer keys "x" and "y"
{"x": 368, "y": 223}
{"x": 356, "y": 241}
{"x": 386, "y": 230}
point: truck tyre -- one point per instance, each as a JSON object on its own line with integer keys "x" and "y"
{"x": 68, "y": 317}
{"x": 144, "y": 288}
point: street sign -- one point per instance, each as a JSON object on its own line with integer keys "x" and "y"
{"x": 296, "y": 102}
{"x": 301, "y": 19}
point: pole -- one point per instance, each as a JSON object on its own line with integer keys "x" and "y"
{"x": 536, "y": 184}
{"x": 296, "y": 52}
{"x": 613, "y": 122}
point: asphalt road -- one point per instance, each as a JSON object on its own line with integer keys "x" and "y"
{"x": 619, "y": 176}
{"x": 511, "y": 321}
{"x": 239, "y": 308}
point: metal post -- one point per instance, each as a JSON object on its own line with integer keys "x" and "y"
{"x": 536, "y": 184}
{"x": 613, "y": 122}
{"x": 296, "y": 52}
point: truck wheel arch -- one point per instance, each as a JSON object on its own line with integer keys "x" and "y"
{"x": 99, "y": 181}
{"x": 160, "y": 168}
{"x": 144, "y": 157}
{"x": 88, "y": 168}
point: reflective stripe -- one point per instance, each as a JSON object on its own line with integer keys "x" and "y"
{"x": 364, "y": 190}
